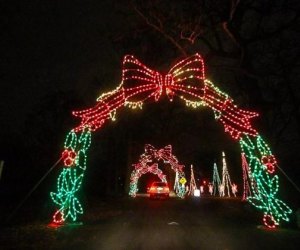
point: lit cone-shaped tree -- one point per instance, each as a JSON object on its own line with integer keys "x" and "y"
{"x": 176, "y": 183}
{"x": 246, "y": 177}
{"x": 250, "y": 186}
{"x": 226, "y": 183}
{"x": 193, "y": 186}
{"x": 216, "y": 180}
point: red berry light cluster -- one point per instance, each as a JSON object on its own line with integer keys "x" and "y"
{"x": 68, "y": 157}
{"x": 269, "y": 161}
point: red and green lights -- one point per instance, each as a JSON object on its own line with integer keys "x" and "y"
{"x": 146, "y": 165}
{"x": 186, "y": 80}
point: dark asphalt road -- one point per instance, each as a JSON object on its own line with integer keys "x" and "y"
{"x": 158, "y": 224}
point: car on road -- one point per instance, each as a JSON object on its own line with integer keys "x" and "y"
{"x": 159, "y": 190}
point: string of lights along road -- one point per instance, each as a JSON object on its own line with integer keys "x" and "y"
{"x": 186, "y": 81}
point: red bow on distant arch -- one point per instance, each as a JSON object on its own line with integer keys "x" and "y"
{"x": 163, "y": 153}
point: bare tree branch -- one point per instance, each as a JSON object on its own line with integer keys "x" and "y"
{"x": 234, "y": 4}
{"x": 190, "y": 34}
{"x": 160, "y": 30}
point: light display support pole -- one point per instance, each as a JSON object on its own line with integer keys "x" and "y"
{"x": 32, "y": 190}
{"x": 1, "y": 168}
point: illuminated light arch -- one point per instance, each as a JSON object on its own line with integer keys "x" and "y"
{"x": 185, "y": 80}
{"x": 142, "y": 167}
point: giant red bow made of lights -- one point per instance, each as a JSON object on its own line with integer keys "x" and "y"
{"x": 163, "y": 153}
{"x": 143, "y": 168}
{"x": 186, "y": 80}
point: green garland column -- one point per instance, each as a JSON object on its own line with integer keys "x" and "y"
{"x": 70, "y": 179}
{"x": 264, "y": 182}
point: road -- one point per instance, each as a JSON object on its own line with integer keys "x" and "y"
{"x": 142, "y": 223}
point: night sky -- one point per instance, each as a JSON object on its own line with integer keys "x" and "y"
{"x": 48, "y": 46}
{"x": 58, "y": 56}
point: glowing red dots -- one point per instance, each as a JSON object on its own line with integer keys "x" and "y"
{"x": 68, "y": 157}
{"x": 269, "y": 161}
{"x": 269, "y": 221}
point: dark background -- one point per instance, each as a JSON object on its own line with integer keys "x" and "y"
{"x": 58, "y": 56}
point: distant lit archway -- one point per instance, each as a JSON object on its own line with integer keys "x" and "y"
{"x": 146, "y": 165}
{"x": 185, "y": 80}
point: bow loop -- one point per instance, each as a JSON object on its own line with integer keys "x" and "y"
{"x": 139, "y": 81}
{"x": 149, "y": 149}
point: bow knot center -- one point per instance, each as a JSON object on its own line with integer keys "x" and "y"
{"x": 163, "y": 83}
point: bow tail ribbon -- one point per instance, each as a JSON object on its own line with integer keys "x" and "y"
{"x": 235, "y": 120}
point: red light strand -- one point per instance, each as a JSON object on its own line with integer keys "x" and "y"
{"x": 186, "y": 80}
